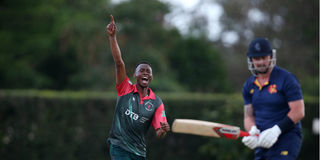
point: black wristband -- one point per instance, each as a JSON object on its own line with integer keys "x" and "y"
{"x": 286, "y": 124}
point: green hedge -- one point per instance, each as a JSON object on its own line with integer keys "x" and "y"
{"x": 45, "y": 125}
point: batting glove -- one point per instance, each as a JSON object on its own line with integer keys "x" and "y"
{"x": 269, "y": 136}
{"x": 254, "y": 131}
{"x": 252, "y": 141}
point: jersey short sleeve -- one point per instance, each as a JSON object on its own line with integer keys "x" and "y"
{"x": 247, "y": 97}
{"x": 292, "y": 88}
{"x": 124, "y": 87}
{"x": 159, "y": 116}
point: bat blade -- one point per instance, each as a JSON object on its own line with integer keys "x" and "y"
{"x": 205, "y": 128}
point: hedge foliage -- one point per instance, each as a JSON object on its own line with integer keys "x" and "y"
{"x": 50, "y": 125}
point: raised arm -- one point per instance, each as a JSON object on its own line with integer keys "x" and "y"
{"x": 116, "y": 53}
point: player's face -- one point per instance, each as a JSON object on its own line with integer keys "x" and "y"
{"x": 143, "y": 75}
{"x": 261, "y": 64}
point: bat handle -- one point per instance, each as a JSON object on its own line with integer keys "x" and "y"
{"x": 245, "y": 134}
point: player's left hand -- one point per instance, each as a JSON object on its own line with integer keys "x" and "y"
{"x": 269, "y": 136}
{"x": 162, "y": 131}
{"x": 165, "y": 126}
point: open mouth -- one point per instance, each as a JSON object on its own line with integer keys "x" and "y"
{"x": 145, "y": 79}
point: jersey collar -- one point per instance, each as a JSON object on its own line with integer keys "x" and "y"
{"x": 271, "y": 79}
{"x": 256, "y": 82}
{"x": 150, "y": 96}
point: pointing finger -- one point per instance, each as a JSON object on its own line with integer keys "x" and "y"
{"x": 112, "y": 19}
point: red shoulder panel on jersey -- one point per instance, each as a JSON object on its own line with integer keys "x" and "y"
{"x": 159, "y": 116}
{"x": 124, "y": 87}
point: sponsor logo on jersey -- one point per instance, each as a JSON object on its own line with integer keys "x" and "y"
{"x": 252, "y": 91}
{"x": 272, "y": 89}
{"x": 143, "y": 119}
{"x": 284, "y": 153}
{"x": 132, "y": 115}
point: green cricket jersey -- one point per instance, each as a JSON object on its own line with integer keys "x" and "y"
{"x": 133, "y": 116}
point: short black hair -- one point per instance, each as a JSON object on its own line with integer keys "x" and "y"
{"x": 143, "y": 62}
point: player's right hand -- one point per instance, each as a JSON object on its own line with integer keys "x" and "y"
{"x": 252, "y": 141}
{"x": 111, "y": 27}
{"x": 254, "y": 131}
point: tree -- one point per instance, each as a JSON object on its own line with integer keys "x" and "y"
{"x": 199, "y": 66}
{"x": 46, "y": 42}
{"x": 63, "y": 45}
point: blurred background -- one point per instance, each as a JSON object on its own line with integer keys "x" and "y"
{"x": 57, "y": 76}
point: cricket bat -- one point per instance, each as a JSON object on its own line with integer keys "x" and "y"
{"x": 205, "y": 128}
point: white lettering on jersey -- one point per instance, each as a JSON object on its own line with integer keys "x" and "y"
{"x": 143, "y": 119}
{"x": 132, "y": 115}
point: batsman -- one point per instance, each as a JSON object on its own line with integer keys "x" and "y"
{"x": 136, "y": 110}
{"x": 273, "y": 106}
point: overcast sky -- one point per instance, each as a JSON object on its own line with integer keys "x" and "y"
{"x": 181, "y": 11}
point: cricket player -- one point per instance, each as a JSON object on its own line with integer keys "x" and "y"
{"x": 273, "y": 106}
{"x": 137, "y": 108}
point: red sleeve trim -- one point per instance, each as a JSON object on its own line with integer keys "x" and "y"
{"x": 124, "y": 87}
{"x": 159, "y": 116}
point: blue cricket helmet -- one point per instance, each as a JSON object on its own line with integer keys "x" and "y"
{"x": 259, "y": 47}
